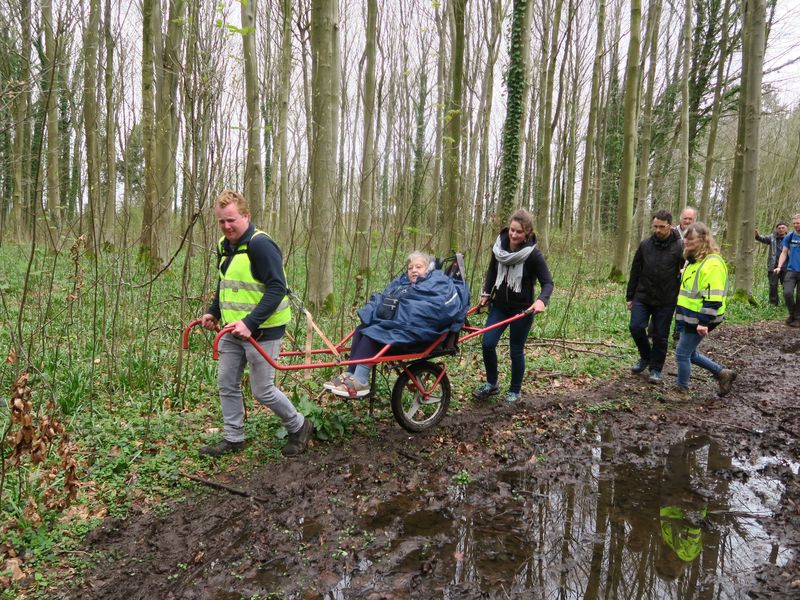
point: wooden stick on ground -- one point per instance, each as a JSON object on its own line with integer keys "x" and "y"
{"x": 227, "y": 488}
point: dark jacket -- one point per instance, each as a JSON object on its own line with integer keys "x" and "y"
{"x": 535, "y": 269}
{"x": 655, "y": 271}
{"x": 427, "y": 308}
{"x": 775, "y": 247}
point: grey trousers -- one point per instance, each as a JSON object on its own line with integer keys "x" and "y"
{"x": 233, "y": 355}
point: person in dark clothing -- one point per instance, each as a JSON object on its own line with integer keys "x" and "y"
{"x": 775, "y": 241}
{"x": 653, "y": 293}
{"x": 515, "y": 266}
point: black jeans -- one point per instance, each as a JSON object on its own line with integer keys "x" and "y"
{"x": 774, "y": 279}
{"x": 641, "y": 314}
{"x": 791, "y": 284}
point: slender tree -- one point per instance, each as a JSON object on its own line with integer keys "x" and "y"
{"x": 325, "y": 103}
{"x": 584, "y": 201}
{"x": 628, "y": 174}
{"x": 683, "y": 185}
{"x": 253, "y": 175}
{"x": 452, "y": 147}
{"x": 515, "y": 91}
{"x": 53, "y": 131}
{"x": 755, "y": 16}
{"x": 367, "y": 180}
{"x": 90, "y": 124}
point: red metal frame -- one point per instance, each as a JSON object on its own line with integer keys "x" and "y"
{"x": 380, "y": 357}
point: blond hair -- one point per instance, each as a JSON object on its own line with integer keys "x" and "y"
{"x": 227, "y": 197}
{"x": 708, "y": 245}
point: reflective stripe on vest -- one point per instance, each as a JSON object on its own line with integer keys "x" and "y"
{"x": 692, "y": 298}
{"x": 240, "y": 292}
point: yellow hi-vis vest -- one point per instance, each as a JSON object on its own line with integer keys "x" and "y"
{"x": 706, "y": 280}
{"x": 240, "y": 292}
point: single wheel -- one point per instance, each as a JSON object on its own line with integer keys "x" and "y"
{"x": 417, "y": 410}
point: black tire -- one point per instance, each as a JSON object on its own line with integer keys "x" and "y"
{"x": 412, "y": 411}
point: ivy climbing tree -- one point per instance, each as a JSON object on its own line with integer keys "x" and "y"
{"x": 515, "y": 86}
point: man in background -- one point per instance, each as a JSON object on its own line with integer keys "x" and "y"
{"x": 790, "y": 259}
{"x": 775, "y": 241}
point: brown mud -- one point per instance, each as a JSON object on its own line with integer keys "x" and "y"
{"x": 615, "y": 489}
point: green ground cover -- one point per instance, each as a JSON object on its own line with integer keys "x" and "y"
{"x": 100, "y": 342}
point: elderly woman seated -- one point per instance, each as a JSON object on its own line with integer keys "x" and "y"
{"x": 415, "y": 308}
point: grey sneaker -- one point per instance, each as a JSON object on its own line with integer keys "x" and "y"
{"x": 725, "y": 379}
{"x": 223, "y": 447}
{"x": 486, "y": 390}
{"x": 298, "y": 441}
{"x": 655, "y": 376}
{"x": 349, "y": 387}
{"x": 512, "y": 397}
{"x": 639, "y": 366}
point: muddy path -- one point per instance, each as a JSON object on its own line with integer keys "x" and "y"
{"x": 611, "y": 489}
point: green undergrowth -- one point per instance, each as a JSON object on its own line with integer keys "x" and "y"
{"x": 100, "y": 343}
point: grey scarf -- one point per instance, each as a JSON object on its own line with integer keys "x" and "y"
{"x": 510, "y": 265}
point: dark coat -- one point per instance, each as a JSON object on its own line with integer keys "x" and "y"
{"x": 426, "y": 309}
{"x": 655, "y": 271}
{"x": 775, "y": 247}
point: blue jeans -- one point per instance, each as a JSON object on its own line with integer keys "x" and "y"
{"x": 686, "y": 355}
{"x": 517, "y": 335}
{"x": 662, "y": 319}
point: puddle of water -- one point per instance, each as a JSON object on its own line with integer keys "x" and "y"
{"x": 681, "y": 525}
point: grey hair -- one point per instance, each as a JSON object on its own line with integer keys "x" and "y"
{"x": 426, "y": 258}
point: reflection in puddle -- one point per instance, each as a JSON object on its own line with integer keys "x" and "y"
{"x": 688, "y": 524}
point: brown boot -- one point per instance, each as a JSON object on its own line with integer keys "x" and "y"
{"x": 223, "y": 447}
{"x": 726, "y": 378}
{"x": 298, "y": 441}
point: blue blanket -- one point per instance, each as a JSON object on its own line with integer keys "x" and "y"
{"x": 425, "y": 309}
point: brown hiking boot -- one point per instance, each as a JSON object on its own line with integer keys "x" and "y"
{"x": 726, "y": 378}
{"x": 298, "y": 441}
{"x": 224, "y": 447}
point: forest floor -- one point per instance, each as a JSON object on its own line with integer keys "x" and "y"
{"x": 592, "y": 488}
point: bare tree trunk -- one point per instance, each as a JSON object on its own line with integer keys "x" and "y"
{"x": 325, "y": 103}
{"x": 168, "y": 71}
{"x": 253, "y": 172}
{"x": 584, "y": 204}
{"x": 90, "y": 125}
{"x": 109, "y": 211}
{"x": 755, "y": 23}
{"x": 22, "y": 129}
{"x": 449, "y": 240}
{"x": 545, "y": 161}
{"x": 628, "y": 174}
{"x": 282, "y": 141}
{"x": 367, "y": 184}
{"x": 647, "y": 119}
{"x": 53, "y": 134}
{"x": 683, "y": 186}
{"x": 148, "y": 240}
{"x": 716, "y": 109}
